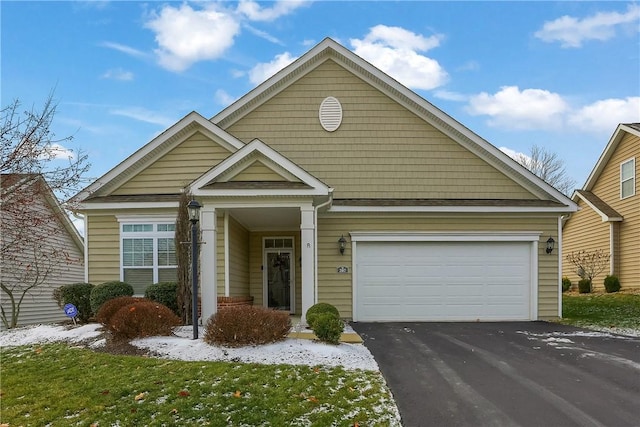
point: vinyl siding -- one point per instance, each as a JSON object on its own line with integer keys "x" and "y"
{"x": 258, "y": 171}
{"x": 104, "y": 248}
{"x": 381, "y": 150}
{"x": 336, "y": 288}
{"x": 173, "y": 171}
{"x": 608, "y": 189}
{"x": 38, "y": 306}
{"x": 584, "y": 231}
{"x": 103, "y": 239}
{"x": 238, "y": 259}
{"x": 220, "y": 267}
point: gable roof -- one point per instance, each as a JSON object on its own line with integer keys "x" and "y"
{"x": 618, "y": 135}
{"x": 160, "y": 145}
{"x": 606, "y": 212}
{"x": 13, "y": 182}
{"x": 298, "y": 181}
{"x": 329, "y": 49}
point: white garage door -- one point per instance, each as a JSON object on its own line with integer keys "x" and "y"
{"x": 451, "y": 281}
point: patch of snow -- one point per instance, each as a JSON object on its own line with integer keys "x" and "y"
{"x": 557, "y": 340}
{"x": 48, "y": 333}
{"x": 183, "y": 347}
{"x": 601, "y": 333}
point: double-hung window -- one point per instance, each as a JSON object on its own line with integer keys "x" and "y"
{"x": 628, "y": 178}
{"x": 147, "y": 253}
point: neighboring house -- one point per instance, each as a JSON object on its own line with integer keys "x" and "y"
{"x": 53, "y": 252}
{"x": 608, "y": 218}
{"x": 437, "y": 223}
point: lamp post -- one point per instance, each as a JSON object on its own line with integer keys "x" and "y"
{"x": 194, "y": 216}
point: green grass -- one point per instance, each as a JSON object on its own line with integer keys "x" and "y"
{"x": 615, "y": 310}
{"x": 55, "y": 384}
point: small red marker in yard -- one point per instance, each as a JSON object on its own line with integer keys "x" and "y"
{"x": 183, "y": 393}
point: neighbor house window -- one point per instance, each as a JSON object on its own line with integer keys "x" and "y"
{"x": 148, "y": 254}
{"x": 628, "y": 178}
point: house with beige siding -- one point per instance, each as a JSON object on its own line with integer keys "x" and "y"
{"x": 608, "y": 216}
{"x": 331, "y": 182}
{"x": 52, "y": 255}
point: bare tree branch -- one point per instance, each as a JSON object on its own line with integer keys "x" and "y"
{"x": 548, "y": 167}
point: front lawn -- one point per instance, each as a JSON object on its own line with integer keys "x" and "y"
{"x": 61, "y": 385}
{"x": 619, "y": 310}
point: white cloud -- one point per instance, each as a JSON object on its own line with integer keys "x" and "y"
{"x": 572, "y": 32}
{"x": 57, "y": 151}
{"x": 527, "y": 109}
{"x": 395, "y": 51}
{"x": 144, "y": 115}
{"x": 186, "y": 36}
{"x": 448, "y": 95}
{"x": 264, "y": 70}
{"x": 606, "y": 114}
{"x": 223, "y": 98}
{"x": 124, "y": 49}
{"x": 263, "y": 34}
{"x": 514, "y": 154}
{"x": 118, "y": 74}
{"x": 255, "y": 12}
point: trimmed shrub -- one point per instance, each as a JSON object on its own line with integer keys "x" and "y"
{"x": 247, "y": 325}
{"x": 316, "y": 309}
{"x": 108, "y": 290}
{"x": 143, "y": 319}
{"x": 109, "y": 308}
{"x": 328, "y": 328}
{"x": 611, "y": 284}
{"x": 77, "y": 294}
{"x": 584, "y": 286}
{"x": 566, "y": 284}
{"x": 165, "y": 293}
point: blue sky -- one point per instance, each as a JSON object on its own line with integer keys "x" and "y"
{"x": 561, "y": 75}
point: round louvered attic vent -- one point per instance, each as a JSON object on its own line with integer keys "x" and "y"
{"x": 330, "y": 114}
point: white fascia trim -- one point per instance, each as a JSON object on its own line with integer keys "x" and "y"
{"x": 192, "y": 117}
{"x": 259, "y": 193}
{"x": 605, "y": 218}
{"x": 453, "y": 209}
{"x": 127, "y": 205}
{"x": 253, "y": 204}
{"x": 257, "y": 146}
{"x": 146, "y": 218}
{"x": 453, "y": 236}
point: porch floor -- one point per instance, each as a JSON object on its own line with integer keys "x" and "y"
{"x": 300, "y": 331}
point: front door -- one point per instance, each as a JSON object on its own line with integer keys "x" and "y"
{"x": 278, "y": 279}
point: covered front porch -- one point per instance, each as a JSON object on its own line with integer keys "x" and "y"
{"x": 265, "y": 251}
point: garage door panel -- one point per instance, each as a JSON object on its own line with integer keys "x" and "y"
{"x": 417, "y": 281}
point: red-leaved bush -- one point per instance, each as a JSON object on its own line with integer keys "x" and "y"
{"x": 143, "y": 319}
{"x": 247, "y": 325}
{"x": 110, "y": 307}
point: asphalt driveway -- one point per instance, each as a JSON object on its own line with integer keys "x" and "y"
{"x": 507, "y": 374}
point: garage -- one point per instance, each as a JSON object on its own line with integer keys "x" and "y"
{"x": 439, "y": 280}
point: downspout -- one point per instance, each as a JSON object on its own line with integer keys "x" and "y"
{"x": 560, "y": 220}
{"x": 315, "y": 239}
{"x": 612, "y": 247}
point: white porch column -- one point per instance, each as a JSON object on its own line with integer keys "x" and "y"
{"x": 208, "y": 282}
{"x": 307, "y": 245}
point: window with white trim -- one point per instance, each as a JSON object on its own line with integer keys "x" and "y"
{"x": 147, "y": 254}
{"x": 628, "y": 178}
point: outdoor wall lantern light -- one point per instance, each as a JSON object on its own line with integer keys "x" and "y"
{"x": 194, "y": 216}
{"x": 550, "y": 245}
{"x": 342, "y": 242}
